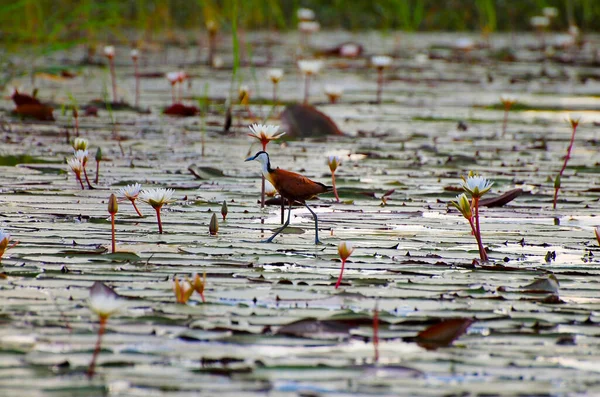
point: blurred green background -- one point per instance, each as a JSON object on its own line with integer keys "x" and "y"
{"x": 71, "y": 21}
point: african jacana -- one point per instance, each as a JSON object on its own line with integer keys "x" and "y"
{"x": 292, "y": 187}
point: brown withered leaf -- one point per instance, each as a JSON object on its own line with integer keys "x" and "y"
{"x": 442, "y": 334}
{"x": 179, "y": 109}
{"x": 502, "y": 199}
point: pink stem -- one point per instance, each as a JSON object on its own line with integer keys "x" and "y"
{"x": 91, "y": 369}
{"x": 262, "y": 187}
{"x": 80, "y": 181}
{"x": 136, "y": 208}
{"x": 337, "y": 198}
{"x": 87, "y": 180}
{"x": 112, "y": 224}
{"x": 339, "y": 281}
{"x": 160, "y": 229}
{"x": 567, "y": 157}
{"x": 173, "y": 93}
{"x": 97, "y": 172}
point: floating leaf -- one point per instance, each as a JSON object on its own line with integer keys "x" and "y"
{"x": 442, "y": 334}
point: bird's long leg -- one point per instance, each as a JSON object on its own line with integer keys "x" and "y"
{"x": 316, "y": 224}
{"x": 270, "y": 239}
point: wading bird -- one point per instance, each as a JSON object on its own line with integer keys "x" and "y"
{"x": 292, "y": 187}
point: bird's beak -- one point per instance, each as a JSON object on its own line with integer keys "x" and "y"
{"x": 250, "y": 158}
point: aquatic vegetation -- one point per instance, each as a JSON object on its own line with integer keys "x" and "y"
{"x": 334, "y": 162}
{"x": 275, "y": 76}
{"x": 380, "y": 62}
{"x": 156, "y": 198}
{"x": 574, "y": 123}
{"x": 5, "y": 239}
{"x": 98, "y": 159}
{"x": 104, "y": 302}
{"x": 507, "y": 102}
{"x": 333, "y": 92}
{"x": 476, "y": 187}
{"x": 135, "y": 55}
{"x": 77, "y": 167}
{"x": 309, "y": 68}
{"x": 224, "y": 210}
{"x": 113, "y": 208}
{"x": 131, "y": 193}
{"x": 183, "y": 290}
{"x": 213, "y": 227}
{"x": 109, "y": 53}
{"x": 345, "y": 249}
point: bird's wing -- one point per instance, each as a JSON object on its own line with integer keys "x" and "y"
{"x": 294, "y": 186}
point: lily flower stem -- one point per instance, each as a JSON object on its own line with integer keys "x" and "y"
{"x": 474, "y": 222}
{"x": 202, "y": 296}
{"x": 379, "y": 84}
{"x": 337, "y": 198}
{"x": 173, "y": 94}
{"x": 376, "y": 333}
{"x": 136, "y": 208}
{"x": 339, "y": 281}
{"x": 87, "y": 180}
{"x": 113, "y": 77}
{"x": 262, "y": 186}
{"x": 80, "y": 182}
{"x": 274, "y": 94}
{"x": 306, "y": 88}
{"x": 92, "y": 368}
{"x": 76, "y": 126}
{"x": 137, "y": 83}
{"x": 180, "y": 91}
{"x": 160, "y": 229}
{"x": 567, "y": 157}
{"x": 97, "y": 172}
{"x": 112, "y": 225}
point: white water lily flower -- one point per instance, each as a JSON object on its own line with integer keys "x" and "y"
{"x": 310, "y": 66}
{"x": 104, "y": 301}
{"x": 381, "y": 61}
{"x": 275, "y": 75}
{"x": 173, "y": 77}
{"x": 76, "y": 165}
{"x": 135, "y": 54}
{"x": 349, "y": 50}
{"x": 82, "y": 155}
{"x": 508, "y": 99}
{"x": 157, "y": 197}
{"x": 109, "y": 51}
{"x": 550, "y": 12}
{"x": 539, "y": 21}
{"x": 477, "y": 186}
{"x": 130, "y": 192}
{"x": 265, "y": 133}
{"x": 332, "y": 89}
{"x": 305, "y": 14}
{"x": 80, "y": 144}
{"x": 309, "y": 26}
